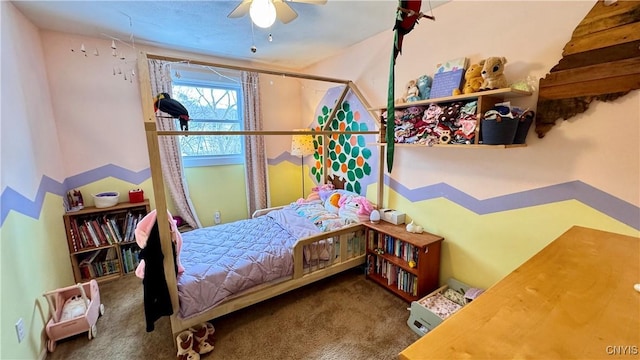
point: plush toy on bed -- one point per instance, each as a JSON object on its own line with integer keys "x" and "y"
{"x": 354, "y": 208}
{"x": 332, "y": 202}
{"x": 315, "y": 193}
{"x": 143, "y": 229}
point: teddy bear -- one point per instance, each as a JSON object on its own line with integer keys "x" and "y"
{"x": 493, "y": 73}
{"x": 472, "y": 79}
{"x": 424, "y": 86}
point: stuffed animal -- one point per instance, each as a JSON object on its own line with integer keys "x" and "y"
{"x": 413, "y": 228}
{"x": 142, "y": 231}
{"x": 412, "y": 93}
{"x": 493, "y": 73}
{"x": 331, "y": 204}
{"x": 472, "y": 79}
{"x": 355, "y": 208}
{"x": 424, "y": 86}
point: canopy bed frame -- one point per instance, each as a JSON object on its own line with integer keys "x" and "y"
{"x": 345, "y": 257}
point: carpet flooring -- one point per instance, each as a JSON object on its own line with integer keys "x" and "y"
{"x": 341, "y": 317}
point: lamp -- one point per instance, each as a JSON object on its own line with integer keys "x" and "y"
{"x": 262, "y": 13}
{"x": 302, "y": 145}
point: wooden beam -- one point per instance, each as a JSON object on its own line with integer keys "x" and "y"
{"x": 594, "y": 72}
{"x": 334, "y": 111}
{"x": 381, "y": 149}
{"x": 244, "y": 68}
{"x": 627, "y": 12}
{"x": 597, "y": 56}
{"x": 602, "y": 17}
{"x": 153, "y": 148}
{"x": 591, "y": 88}
{"x": 261, "y": 132}
{"x": 618, "y": 35}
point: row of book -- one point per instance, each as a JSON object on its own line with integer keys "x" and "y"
{"x": 130, "y": 258}
{"x": 390, "y": 245}
{"x": 103, "y": 230}
{"x": 395, "y": 275}
{"x": 99, "y": 263}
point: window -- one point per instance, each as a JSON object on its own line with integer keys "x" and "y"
{"x": 214, "y": 101}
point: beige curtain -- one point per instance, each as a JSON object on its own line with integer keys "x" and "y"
{"x": 255, "y": 155}
{"x": 172, "y": 170}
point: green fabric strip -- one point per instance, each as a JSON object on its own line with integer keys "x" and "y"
{"x": 390, "y": 138}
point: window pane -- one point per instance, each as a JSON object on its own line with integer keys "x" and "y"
{"x": 208, "y": 102}
{"x": 212, "y": 107}
{"x": 194, "y": 145}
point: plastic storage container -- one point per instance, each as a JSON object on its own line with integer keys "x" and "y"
{"x": 106, "y": 199}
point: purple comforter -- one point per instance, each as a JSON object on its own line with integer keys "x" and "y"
{"x": 226, "y": 259}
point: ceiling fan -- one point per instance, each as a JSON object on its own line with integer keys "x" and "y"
{"x": 264, "y": 12}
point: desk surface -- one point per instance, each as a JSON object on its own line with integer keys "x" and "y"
{"x": 572, "y": 300}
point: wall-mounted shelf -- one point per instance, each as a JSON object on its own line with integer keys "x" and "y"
{"x": 505, "y": 93}
{"x": 461, "y": 146}
{"x": 485, "y": 101}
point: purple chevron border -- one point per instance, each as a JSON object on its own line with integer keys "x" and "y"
{"x": 612, "y": 206}
{"x": 12, "y": 200}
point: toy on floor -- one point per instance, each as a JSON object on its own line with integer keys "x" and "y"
{"x": 73, "y": 312}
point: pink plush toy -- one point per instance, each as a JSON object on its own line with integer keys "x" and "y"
{"x": 355, "y": 208}
{"x": 142, "y": 234}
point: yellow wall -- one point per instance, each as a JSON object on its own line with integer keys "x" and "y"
{"x": 482, "y": 249}
{"x": 33, "y": 261}
{"x": 285, "y": 182}
{"x": 220, "y": 188}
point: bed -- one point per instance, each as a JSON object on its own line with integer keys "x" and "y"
{"x": 312, "y": 256}
{"x": 277, "y": 246}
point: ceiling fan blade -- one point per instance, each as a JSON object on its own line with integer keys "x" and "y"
{"x": 241, "y": 10}
{"x": 284, "y": 12}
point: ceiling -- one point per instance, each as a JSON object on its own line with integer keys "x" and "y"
{"x": 202, "y": 27}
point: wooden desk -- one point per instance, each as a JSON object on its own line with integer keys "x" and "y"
{"x": 572, "y": 300}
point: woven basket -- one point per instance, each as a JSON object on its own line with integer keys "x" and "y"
{"x": 524, "y": 123}
{"x": 499, "y": 131}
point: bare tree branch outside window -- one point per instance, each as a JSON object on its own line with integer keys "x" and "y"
{"x": 211, "y": 108}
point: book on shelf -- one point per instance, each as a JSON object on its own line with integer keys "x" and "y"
{"x": 74, "y": 240}
{"x": 99, "y": 263}
{"x": 111, "y": 236}
{"x": 451, "y": 65}
{"x": 92, "y": 234}
{"x": 99, "y": 232}
{"x": 448, "y": 76}
{"x": 107, "y": 235}
{"x": 116, "y": 229}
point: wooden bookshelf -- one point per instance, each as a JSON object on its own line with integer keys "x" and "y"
{"x": 101, "y": 241}
{"x": 390, "y": 249}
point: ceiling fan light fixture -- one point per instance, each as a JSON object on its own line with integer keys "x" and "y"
{"x": 262, "y": 13}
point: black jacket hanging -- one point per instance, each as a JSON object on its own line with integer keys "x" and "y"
{"x": 157, "y": 301}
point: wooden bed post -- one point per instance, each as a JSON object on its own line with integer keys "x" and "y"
{"x": 381, "y": 152}
{"x": 156, "y": 176}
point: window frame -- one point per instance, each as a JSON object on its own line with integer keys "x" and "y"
{"x": 215, "y": 160}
